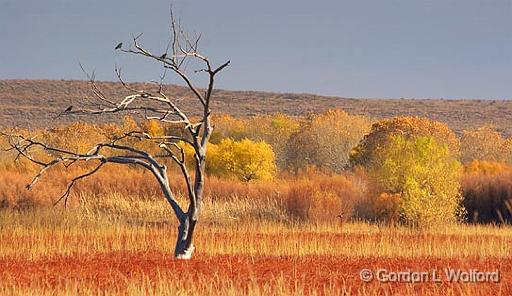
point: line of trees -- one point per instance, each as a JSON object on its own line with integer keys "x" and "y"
{"x": 416, "y": 170}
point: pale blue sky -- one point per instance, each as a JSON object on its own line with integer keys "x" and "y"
{"x": 359, "y": 48}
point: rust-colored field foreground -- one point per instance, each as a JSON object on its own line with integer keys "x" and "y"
{"x": 156, "y": 273}
{"x": 76, "y": 251}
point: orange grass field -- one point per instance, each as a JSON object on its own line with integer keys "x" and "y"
{"x": 89, "y": 249}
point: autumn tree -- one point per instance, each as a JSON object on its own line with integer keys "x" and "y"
{"x": 408, "y": 127}
{"x": 336, "y": 133}
{"x": 423, "y": 174}
{"x": 246, "y": 160}
{"x": 485, "y": 143}
{"x": 301, "y": 149}
{"x": 226, "y": 126}
{"x": 155, "y": 104}
{"x": 325, "y": 140}
{"x": 274, "y": 129}
{"x": 412, "y": 162}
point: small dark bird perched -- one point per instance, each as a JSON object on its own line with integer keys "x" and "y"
{"x": 119, "y": 46}
{"x": 68, "y": 109}
{"x": 163, "y": 56}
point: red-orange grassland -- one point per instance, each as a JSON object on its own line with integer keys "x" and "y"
{"x": 294, "y": 274}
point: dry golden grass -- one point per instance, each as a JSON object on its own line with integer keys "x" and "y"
{"x": 116, "y": 224}
{"x": 120, "y": 245}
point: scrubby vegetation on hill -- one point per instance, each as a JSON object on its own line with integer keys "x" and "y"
{"x": 34, "y": 103}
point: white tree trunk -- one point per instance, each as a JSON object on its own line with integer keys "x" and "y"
{"x": 184, "y": 246}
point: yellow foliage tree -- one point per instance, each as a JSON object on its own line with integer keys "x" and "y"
{"x": 245, "y": 160}
{"x": 424, "y": 173}
{"x": 408, "y": 127}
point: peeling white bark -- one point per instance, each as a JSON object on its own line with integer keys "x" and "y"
{"x": 186, "y": 253}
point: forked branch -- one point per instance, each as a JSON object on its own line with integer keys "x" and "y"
{"x": 148, "y": 104}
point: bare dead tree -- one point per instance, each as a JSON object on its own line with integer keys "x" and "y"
{"x": 148, "y": 104}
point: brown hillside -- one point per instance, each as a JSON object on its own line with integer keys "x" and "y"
{"x": 34, "y": 103}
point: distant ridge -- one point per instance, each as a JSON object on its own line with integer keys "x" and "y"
{"x": 33, "y": 103}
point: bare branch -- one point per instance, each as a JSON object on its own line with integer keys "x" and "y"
{"x": 68, "y": 190}
{"x": 161, "y": 139}
{"x": 152, "y": 103}
{"x": 96, "y": 90}
{"x": 183, "y": 166}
